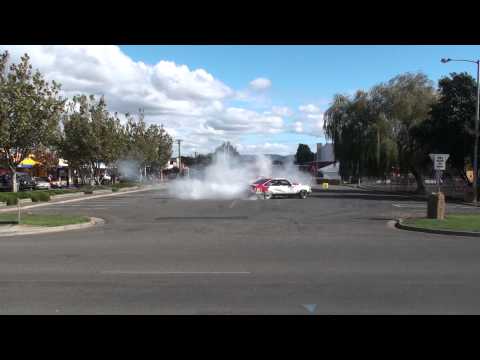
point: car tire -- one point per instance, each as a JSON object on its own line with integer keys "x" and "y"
{"x": 302, "y": 194}
{"x": 267, "y": 195}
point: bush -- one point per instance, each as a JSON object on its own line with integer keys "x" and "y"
{"x": 40, "y": 196}
{"x": 24, "y": 194}
{"x": 9, "y": 199}
{"x": 115, "y": 189}
{"x": 124, "y": 184}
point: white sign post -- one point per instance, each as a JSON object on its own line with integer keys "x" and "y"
{"x": 439, "y": 165}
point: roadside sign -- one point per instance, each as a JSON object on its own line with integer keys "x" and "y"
{"x": 439, "y": 161}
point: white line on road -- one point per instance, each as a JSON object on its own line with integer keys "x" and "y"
{"x": 92, "y": 205}
{"x": 126, "y": 272}
{"x": 232, "y": 204}
{"x": 423, "y": 206}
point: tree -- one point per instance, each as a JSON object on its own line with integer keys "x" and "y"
{"x": 408, "y": 99}
{"x": 91, "y": 136}
{"x": 376, "y": 130}
{"x": 450, "y": 126}
{"x": 30, "y": 110}
{"x": 147, "y": 146}
{"x": 47, "y": 156}
{"x": 226, "y": 149}
{"x": 304, "y": 154}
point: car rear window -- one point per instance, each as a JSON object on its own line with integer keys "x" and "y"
{"x": 260, "y": 181}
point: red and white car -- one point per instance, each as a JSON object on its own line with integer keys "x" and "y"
{"x": 269, "y": 188}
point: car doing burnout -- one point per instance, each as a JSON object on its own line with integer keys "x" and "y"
{"x": 269, "y": 188}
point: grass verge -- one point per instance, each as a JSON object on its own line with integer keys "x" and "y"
{"x": 43, "y": 220}
{"x": 455, "y": 222}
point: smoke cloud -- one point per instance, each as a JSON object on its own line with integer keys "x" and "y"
{"x": 129, "y": 169}
{"x": 229, "y": 178}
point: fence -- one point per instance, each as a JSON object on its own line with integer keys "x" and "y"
{"x": 451, "y": 187}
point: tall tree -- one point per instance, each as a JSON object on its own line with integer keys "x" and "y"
{"x": 408, "y": 99}
{"x": 374, "y": 131}
{"x": 304, "y": 154}
{"x": 30, "y": 110}
{"x": 148, "y": 146}
{"x": 450, "y": 126}
{"x": 228, "y": 149}
{"x": 91, "y": 136}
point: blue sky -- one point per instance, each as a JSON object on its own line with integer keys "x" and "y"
{"x": 309, "y": 74}
{"x": 263, "y": 99}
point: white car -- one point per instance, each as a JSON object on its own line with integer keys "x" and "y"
{"x": 42, "y": 183}
{"x": 269, "y": 188}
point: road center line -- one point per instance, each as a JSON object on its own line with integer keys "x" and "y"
{"x": 125, "y": 272}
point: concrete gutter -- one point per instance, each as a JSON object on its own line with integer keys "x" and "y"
{"x": 12, "y": 230}
{"x": 399, "y": 224}
{"x": 86, "y": 197}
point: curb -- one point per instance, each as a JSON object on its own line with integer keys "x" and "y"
{"x": 66, "y": 196}
{"x": 34, "y": 230}
{"x": 400, "y": 225}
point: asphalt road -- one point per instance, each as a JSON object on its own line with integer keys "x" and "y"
{"x": 332, "y": 253}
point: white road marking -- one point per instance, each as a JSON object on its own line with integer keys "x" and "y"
{"x": 127, "y": 272}
{"x": 409, "y": 205}
{"x": 310, "y": 307}
{"x": 92, "y": 205}
{"x": 232, "y": 204}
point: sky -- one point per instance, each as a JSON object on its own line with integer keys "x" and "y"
{"x": 263, "y": 99}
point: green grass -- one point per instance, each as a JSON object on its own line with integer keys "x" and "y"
{"x": 44, "y": 220}
{"x": 460, "y": 222}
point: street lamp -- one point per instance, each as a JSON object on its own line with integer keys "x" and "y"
{"x": 477, "y": 114}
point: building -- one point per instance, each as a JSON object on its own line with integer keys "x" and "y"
{"x": 325, "y": 152}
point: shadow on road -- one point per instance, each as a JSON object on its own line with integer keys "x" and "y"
{"x": 375, "y": 197}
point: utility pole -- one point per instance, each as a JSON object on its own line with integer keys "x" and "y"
{"x": 179, "y": 155}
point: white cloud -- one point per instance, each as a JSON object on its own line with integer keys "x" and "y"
{"x": 298, "y": 127}
{"x": 282, "y": 111}
{"x": 312, "y": 120}
{"x": 260, "y": 84}
{"x": 309, "y": 109}
{"x": 238, "y": 120}
{"x": 190, "y": 103}
{"x": 267, "y": 148}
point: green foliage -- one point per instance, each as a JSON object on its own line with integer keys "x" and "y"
{"x": 450, "y": 127}
{"x": 90, "y": 135}
{"x": 459, "y": 222}
{"x": 304, "y": 154}
{"x": 374, "y": 130}
{"x": 40, "y": 196}
{"x": 30, "y": 110}
{"x": 45, "y": 219}
{"x": 148, "y": 146}
{"x": 9, "y": 198}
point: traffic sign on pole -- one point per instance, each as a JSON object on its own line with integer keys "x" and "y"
{"x": 439, "y": 161}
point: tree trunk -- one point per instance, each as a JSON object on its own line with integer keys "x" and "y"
{"x": 420, "y": 181}
{"x": 14, "y": 180}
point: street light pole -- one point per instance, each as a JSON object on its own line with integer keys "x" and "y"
{"x": 475, "y": 155}
{"x": 477, "y": 120}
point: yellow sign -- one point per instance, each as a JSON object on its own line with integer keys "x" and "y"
{"x": 325, "y": 186}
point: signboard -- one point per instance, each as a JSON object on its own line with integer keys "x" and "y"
{"x": 439, "y": 161}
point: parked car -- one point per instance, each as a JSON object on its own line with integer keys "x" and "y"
{"x": 24, "y": 182}
{"x": 42, "y": 183}
{"x": 269, "y": 188}
{"x": 56, "y": 183}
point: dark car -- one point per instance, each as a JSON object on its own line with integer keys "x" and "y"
{"x": 24, "y": 181}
